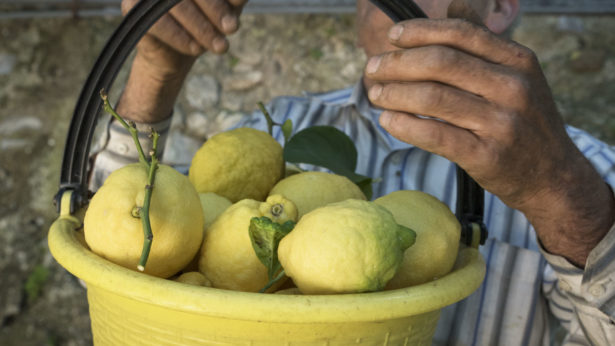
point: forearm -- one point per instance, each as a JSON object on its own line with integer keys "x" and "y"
{"x": 575, "y": 215}
{"x": 150, "y": 92}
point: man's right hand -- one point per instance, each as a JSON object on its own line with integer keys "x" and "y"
{"x": 167, "y": 52}
{"x": 186, "y": 31}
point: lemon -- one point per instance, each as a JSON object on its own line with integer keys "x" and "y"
{"x": 227, "y": 256}
{"x": 238, "y": 164}
{"x": 112, "y": 232}
{"x": 289, "y": 291}
{"x": 213, "y": 205}
{"x": 194, "y": 278}
{"x": 437, "y": 241}
{"x": 344, "y": 247}
{"x": 310, "y": 190}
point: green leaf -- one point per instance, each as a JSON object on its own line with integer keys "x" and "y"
{"x": 287, "y": 130}
{"x": 323, "y": 146}
{"x": 265, "y": 236}
{"x": 365, "y": 184}
{"x": 327, "y": 147}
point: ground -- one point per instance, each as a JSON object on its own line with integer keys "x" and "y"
{"x": 44, "y": 62}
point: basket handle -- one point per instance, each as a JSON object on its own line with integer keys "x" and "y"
{"x": 133, "y": 27}
{"x": 470, "y": 196}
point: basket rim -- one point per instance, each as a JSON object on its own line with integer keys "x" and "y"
{"x": 99, "y": 273}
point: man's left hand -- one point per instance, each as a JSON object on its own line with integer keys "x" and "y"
{"x": 457, "y": 90}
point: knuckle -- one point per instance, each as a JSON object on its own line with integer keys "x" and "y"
{"x": 517, "y": 86}
{"x": 205, "y": 30}
{"x": 442, "y": 57}
{"x": 505, "y": 129}
{"x": 396, "y": 56}
{"x": 461, "y": 23}
{"x": 388, "y": 94}
{"x": 432, "y": 95}
{"x": 525, "y": 57}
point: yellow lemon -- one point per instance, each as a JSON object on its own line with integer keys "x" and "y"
{"x": 437, "y": 241}
{"x": 289, "y": 291}
{"x": 238, "y": 164}
{"x": 227, "y": 256}
{"x": 213, "y": 205}
{"x": 194, "y": 278}
{"x": 112, "y": 232}
{"x": 345, "y": 247}
{"x": 310, "y": 190}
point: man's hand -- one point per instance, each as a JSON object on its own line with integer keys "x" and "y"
{"x": 167, "y": 52}
{"x": 189, "y": 29}
{"x": 484, "y": 103}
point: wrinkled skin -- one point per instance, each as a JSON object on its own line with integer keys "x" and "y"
{"x": 492, "y": 112}
{"x": 168, "y": 51}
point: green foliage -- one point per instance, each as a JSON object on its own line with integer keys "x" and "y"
{"x": 327, "y": 147}
{"x": 323, "y": 146}
{"x": 35, "y": 282}
{"x": 265, "y": 236}
{"x": 233, "y": 61}
{"x": 316, "y": 53}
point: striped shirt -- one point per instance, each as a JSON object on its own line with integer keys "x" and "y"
{"x": 528, "y": 297}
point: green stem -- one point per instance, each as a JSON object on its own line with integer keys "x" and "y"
{"x": 273, "y": 281}
{"x": 147, "y": 227}
{"x": 132, "y": 128}
{"x": 143, "y": 213}
{"x": 268, "y": 117}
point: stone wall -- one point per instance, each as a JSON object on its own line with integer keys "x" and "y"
{"x": 43, "y": 64}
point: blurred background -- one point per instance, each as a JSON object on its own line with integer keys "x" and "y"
{"x": 47, "y": 48}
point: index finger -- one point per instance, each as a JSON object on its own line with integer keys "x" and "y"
{"x": 463, "y": 35}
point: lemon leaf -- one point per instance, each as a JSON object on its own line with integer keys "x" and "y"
{"x": 364, "y": 183}
{"x": 323, "y": 146}
{"x": 328, "y": 147}
{"x": 265, "y": 236}
{"x": 287, "y": 130}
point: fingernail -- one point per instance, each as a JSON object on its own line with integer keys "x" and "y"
{"x": 385, "y": 118}
{"x": 372, "y": 64}
{"x": 195, "y": 48}
{"x": 375, "y": 91}
{"x": 220, "y": 45}
{"x": 395, "y": 32}
{"x": 229, "y": 24}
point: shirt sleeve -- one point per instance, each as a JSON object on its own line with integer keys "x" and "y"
{"x": 591, "y": 292}
{"x": 116, "y": 148}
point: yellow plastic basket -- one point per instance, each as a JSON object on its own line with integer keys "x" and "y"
{"x": 131, "y": 308}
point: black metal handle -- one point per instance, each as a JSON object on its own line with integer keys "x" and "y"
{"x": 400, "y": 10}
{"x": 132, "y": 28}
{"x": 470, "y": 196}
